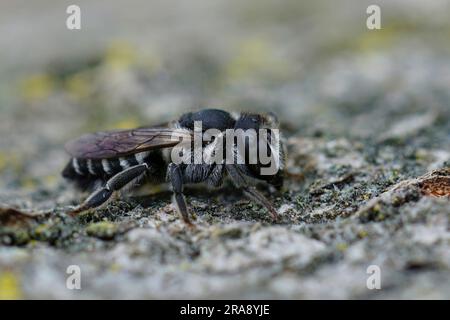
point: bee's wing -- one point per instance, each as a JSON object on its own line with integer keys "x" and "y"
{"x": 111, "y": 144}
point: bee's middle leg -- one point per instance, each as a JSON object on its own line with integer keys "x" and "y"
{"x": 176, "y": 179}
{"x": 117, "y": 182}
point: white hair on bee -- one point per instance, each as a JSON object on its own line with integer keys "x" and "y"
{"x": 90, "y": 167}
{"x": 140, "y": 157}
{"x": 106, "y": 166}
{"x": 76, "y": 166}
{"x": 124, "y": 163}
{"x": 235, "y": 115}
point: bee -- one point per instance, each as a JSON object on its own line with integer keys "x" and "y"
{"x": 108, "y": 162}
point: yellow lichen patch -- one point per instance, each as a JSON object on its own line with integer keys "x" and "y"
{"x": 51, "y": 180}
{"x": 185, "y": 266}
{"x": 79, "y": 85}
{"x": 3, "y": 161}
{"x": 103, "y": 230}
{"x": 120, "y": 55}
{"x": 9, "y": 286}
{"x": 150, "y": 62}
{"x": 376, "y": 40}
{"x": 10, "y": 160}
{"x": 422, "y": 155}
{"x": 29, "y": 183}
{"x": 362, "y": 234}
{"x": 377, "y": 208}
{"x": 42, "y": 230}
{"x": 115, "y": 267}
{"x": 37, "y": 87}
{"x": 366, "y": 196}
{"x": 255, "y": 57}
{"x": 127, "y": 123}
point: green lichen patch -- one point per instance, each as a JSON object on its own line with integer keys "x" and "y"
{"x": 102, "y": 230}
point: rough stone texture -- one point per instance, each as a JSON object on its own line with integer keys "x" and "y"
{"x": 366, "y": 117}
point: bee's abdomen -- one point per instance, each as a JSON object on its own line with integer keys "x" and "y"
{"x": 86, "y": 171}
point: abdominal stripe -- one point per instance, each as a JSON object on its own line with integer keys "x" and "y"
{"x": 107, "y": 167}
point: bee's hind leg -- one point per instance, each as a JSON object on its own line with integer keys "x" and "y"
{"x": 117, "y": 182}
{"x": 256, "y": 196}
{"x": 250, "y": 191}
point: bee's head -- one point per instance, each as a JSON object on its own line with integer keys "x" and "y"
{"x": 264, "y": 126}
{"x": 256, "y": 121}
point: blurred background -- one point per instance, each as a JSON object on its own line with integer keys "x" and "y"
{"x": 139, "y": 62}
{"x": 377, "y": 101}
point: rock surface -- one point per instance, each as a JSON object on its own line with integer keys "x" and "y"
{"x": 366, "y": 117}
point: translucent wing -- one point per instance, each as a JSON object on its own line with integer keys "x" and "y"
{"x": 111, "y": 144}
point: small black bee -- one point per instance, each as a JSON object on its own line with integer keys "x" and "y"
{"x": 106, "y": 162}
